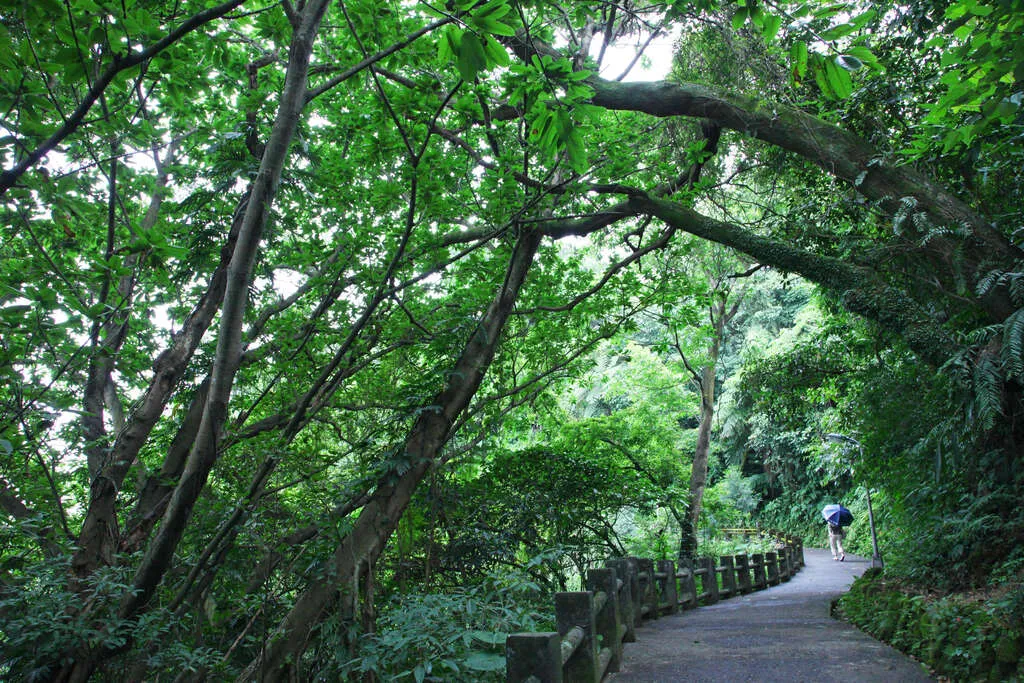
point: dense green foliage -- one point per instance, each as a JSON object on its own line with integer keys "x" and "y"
{"x": 976, "y": 638}
{"x": 318, "y": 318}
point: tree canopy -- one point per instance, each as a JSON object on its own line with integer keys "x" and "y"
{"x": 282, "y": 281}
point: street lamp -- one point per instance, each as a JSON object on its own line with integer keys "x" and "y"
{"x": 876, "y": 559}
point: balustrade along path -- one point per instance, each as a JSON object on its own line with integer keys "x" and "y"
{"x": 774, "y": 626}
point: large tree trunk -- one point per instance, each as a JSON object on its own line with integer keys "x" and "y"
{"x": 359, "y": 549}
{"x": 720, "y": 314}
{"x": 699, "y": 470}
{"x": 160, "y": 552}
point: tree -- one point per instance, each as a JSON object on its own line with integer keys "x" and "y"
{"x": 351, "y": 213}
{"x": 721, "y": 302}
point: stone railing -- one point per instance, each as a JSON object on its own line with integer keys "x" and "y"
{"x": 594, "y": 624}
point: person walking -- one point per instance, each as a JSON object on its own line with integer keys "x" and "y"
{"x": 835, "y": 541}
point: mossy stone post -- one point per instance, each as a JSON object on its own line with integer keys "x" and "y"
{"x": 573, "y": 611}
{"x": 771, "y": 562}
{"x": 757, "y": 564}
{"x": 669, "y": 585}
{"x": 608, "y": 620}
{"x": 785, "y": 564}
{"x": 533, "y": 656}
{"x": 628, "y": 595}
{"x": 648, "y": 590}
{"x": 687, "y": 583}
{"x": 743, "y": 573}
{"x": 728, "y": 576}
{"x": 709, "y": 580}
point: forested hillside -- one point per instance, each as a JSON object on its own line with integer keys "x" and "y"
{"x": 334, "y": 335}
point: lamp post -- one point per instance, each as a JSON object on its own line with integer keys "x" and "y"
{"x": 876, "y": 558}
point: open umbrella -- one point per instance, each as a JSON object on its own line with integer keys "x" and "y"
{"x": 836, "y": 514}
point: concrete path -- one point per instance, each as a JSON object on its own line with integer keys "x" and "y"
{"x": 784, "y": 633}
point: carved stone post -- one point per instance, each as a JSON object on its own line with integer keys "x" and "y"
{"x": 628, "y": 595}
{"x": 772, "y": 565}
{"x": 608, "y": 621}
{"x": 709, "y": 580}
{"x": 533, "y": 656}
{"x": 687, "y": 584}
{"x": 785, "y": 565}
{"x": 743, "y": 573}
{"x": 728, "y": 576}
{"x": 757, "y": 564}
{"x": 648, "y": 591}
{"x": 574, "y": 612}
{"x": 670, "y": 587}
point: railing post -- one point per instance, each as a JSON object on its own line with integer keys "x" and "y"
{"x": 688, "y": 585}
{"x": 728, "y": 576}
{"x": 629, "y": 595}
{"x": 709, "y": 581}
{"x": 771, "y": 561}
{"x": 533, "y": 656}
{"x": 670, "y": 588}
{"x": 608, "y": 621}
{"x": 648, "y": 591}
{"x": 785, "y": 564}
{"x": 757, "y": 564}
{"x": 576, "y": 610}
{"x": 743, "y": 573}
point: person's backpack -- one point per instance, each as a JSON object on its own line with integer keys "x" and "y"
{"x": 835, "y": 529}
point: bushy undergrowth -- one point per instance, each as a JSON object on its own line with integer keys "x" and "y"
{"x": 37, "y": 628}
{"x": 965, "y": 637}
{"x": 455, "y": 636}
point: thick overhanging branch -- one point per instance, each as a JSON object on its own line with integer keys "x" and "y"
{"x": 838, "y": 152}
{"x": 9, "y": 177}
{"x": 859, "y": 289}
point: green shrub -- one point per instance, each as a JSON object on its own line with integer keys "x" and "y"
{"x": 966, "y": 639}
{"x": 40, "y": 626}
{"x": 455, "y": 636}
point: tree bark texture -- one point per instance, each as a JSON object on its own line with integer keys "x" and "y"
{"x": 360, "y": 548}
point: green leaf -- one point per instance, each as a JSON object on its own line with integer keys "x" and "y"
{"x": 798, "y": 59}
{"x": 485, "y": 661}
{"x": 496, "y": 53}
{"x": 836, "y": 32}
{"x": 490, "y": 637}
{"x": 739, "y": 19}
{"x": 772, "y": 24}
{"x": 849, "y": 62}
{"x": 576, "y": 152}
{"x": 839, "y": 79}
{"x": 864, "y": 55}
{"x": 471, "y": 57}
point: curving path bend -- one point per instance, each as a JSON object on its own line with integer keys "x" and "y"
{"x": 784, "y": 633}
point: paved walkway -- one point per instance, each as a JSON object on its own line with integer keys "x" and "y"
{"x": 784, "y": 633}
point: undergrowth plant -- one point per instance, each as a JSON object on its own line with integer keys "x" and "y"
{"x": 963, "y": 637}
{"x": 454, "y": 636}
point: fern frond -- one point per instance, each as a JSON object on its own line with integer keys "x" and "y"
{"x": 931, "y": 234}
{"x": 907, "y": 206}
{"x": 1017, "y": 287}
{"x": 989, "y": 281}
{"x": 1012, "y": 351}
{"x": 924, "y": 224}
{"x": 988, "y": 395}
{"x": 982, "y": 335}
